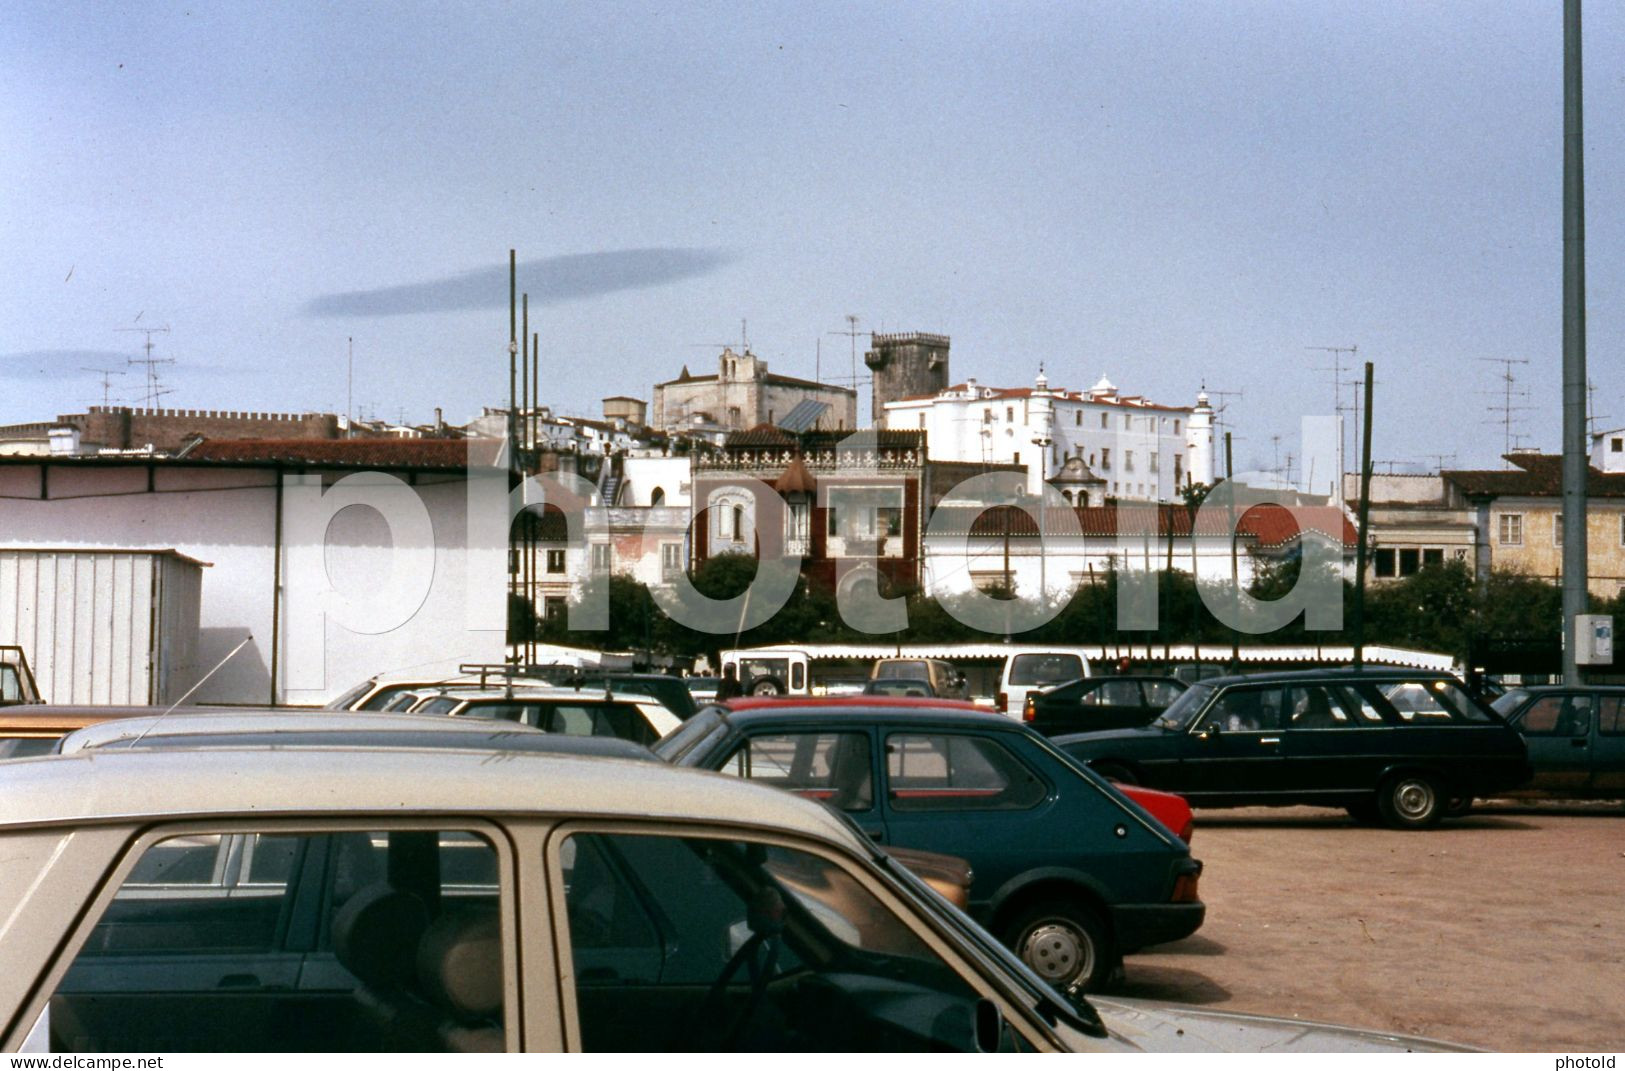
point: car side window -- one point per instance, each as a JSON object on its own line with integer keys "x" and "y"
{"x": 363, "y": 941}
{"x": 834, "y": 768}
{"x": 591, "y": 719}
{"x": 1566, "y": 714}
{"x": 950, "y": 772}
{"x": 1243, "y": 710}
{"x": 1161, "y": 693}
{"x": 1114, "y": 693}
{"x": 27, "y": 746}
{"x": 1611, "y": 715}
{"x": 1326, "y": 707}
{"x": 1432, "y": 702}
{"x": 698, "y": 944}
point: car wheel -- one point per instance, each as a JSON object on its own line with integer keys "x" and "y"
{"x": 1411, "y": 801}
{"x": 1458, "y": 806}
{"x": 767, "y": 686}
{"x": 1111, "y": 771}
{"x": 1065, "y": 943}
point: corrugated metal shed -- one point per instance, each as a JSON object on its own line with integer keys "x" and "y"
{"x": 116, "y": 626}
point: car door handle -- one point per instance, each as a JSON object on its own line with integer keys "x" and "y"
{"x": 1269, "y": 740}
{"x": 238, "y": 981}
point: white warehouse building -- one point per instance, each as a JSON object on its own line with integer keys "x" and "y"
{"x": 1091, "y": 445}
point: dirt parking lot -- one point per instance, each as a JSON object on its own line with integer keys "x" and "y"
{"x": 1504, "y": 930}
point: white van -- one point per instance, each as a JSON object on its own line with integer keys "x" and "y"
{"x": 1029, "y": 671}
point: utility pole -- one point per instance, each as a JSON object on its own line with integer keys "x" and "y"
{"x": 1365, "y": 515}
{"x": 1575, "y": 460}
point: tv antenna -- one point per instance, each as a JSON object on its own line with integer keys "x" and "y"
{"x": 1511, "y": 396}
{"x": 107, "y": 382}
{"x": 153, "y": 390}
{"x": 1336, "y": 370}
{"x": 1591, "y": 408}
{"x": 852, "y": 333}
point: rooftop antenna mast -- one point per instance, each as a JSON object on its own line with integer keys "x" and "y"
{"x": 852, "y": 333}
{"x": 1336, "y": 370}
{"x": 1591, "y": 409}
{"x": 107, "y": 382}
{"x": 1510, "y": 396}
{"x": 153, "y": 390}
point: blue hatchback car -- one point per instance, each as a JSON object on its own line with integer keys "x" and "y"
{"x": 1067, "y": 870}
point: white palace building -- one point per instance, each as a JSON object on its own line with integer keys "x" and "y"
{"x": 1090, "y": 445}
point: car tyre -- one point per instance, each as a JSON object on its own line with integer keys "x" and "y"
{"x": 1066, "y": 943}
{"x": 767, "y": 686}
{"x": 1411, "y": 801}
{"x": 1458, "y": 806}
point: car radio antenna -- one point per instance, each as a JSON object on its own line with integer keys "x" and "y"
{"x": 188, "y": 694}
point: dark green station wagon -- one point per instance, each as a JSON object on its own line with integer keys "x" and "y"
{"x": 1402, "y": 746}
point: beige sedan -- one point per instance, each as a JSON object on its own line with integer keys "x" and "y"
{"x": 358, "y": 899}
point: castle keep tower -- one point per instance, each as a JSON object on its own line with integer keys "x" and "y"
{"x": 904, "y": 365}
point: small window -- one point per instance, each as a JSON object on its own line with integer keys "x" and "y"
{"x": 601, "y": 557}
{"x": 1382, "y": 562}
{"x": 946, "y": 772}
{"x": 1557, "y": 530}
{"x": 1106, "y": 457}
{"x": 555, "y": 561}
{"x": 1176, "y": 427}
{"x": 1558, "y": 715}
{"x": 1128, "y": 460}
{"x": 217, "y": 928}
{"x": 1079, "y": 415}
{"x": 1611, "y": 715}
{"x": 1410, "y": 561}
{"x": 657, "y": 497}
{"x": 832, "y": 768}
{"x": 1244, "y": 710}
{"x": 671, "y": 561}
{"x": 553, "y": 607}
{"x": 1432, "y": 556}
{"x": 1511, "y": 533}
{"x": 1616, "y": 445}
{"x": 1009, "y": 414}
{"x": 1155, "y": 467}
{"x": 671, "y": 918}
{"x": 1128, "y": 421}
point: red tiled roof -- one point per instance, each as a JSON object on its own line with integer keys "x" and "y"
{"x": 447, "y": 454}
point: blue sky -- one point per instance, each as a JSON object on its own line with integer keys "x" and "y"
{"x": 1166, "y": 194}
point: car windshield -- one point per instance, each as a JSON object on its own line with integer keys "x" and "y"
{"x": 1182, "y": 710}
{"x": 1045, "y": 669}
{"x": 677, "y": 744}
{"x": 343, "y": 702}
{"x": 1508, "y": 702}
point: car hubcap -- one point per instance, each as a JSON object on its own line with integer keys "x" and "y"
{"x": 1058, "y": 953}
{"x": 1414, "y": 799}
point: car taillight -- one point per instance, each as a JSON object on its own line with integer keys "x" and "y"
{"x": 1185, "y": 888}
{"x": 1029, "y": 709}
{"x": 1001, "y": 702}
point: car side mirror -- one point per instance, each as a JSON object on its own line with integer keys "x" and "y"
{"x": 989, "y": 1027}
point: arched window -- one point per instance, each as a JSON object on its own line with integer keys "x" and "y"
{"x": 657, "y": 497}
{"x": 739, "y": 522}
